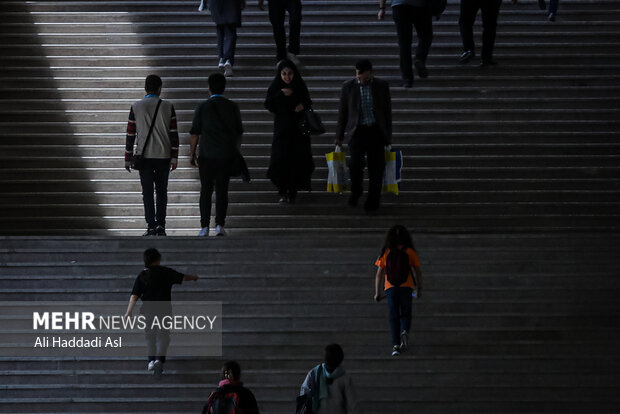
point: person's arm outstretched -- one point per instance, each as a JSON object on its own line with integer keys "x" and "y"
{"x": 190, "y": 278}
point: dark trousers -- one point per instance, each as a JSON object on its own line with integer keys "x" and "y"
{"x": 490, "y": 11}
{"x": 213, "y": 174}
{"x": 157, "y": 341}
{"x": 407, "y": 17}
{"x": 227, "y": 41}
{"x": 154, "y": 178}
{"x": 277, "y": 11}
{"x": 367, "y": 144}
{"x": 553, "y": 6}
{"x": 399, "y": 302}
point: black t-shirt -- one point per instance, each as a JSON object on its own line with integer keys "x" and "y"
{"x": 155, "y": 283}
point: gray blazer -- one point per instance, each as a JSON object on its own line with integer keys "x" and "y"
{"x": 350, "y": 108}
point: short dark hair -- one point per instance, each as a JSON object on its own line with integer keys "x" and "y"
{"x": 234, "y": 368}
{"x": 217, "y": 83}
{"x": 363, "y": 65}
{"x": 151, "y": 256}
{"x": 152, "y": 83}
{"x": 334, "y": 355}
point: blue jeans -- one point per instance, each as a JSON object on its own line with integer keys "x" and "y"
{"x": 399, "y": 301}
{"x": 553, "y": 6}
{"x": 227, "y": 41}
{"x": 154, "y": 178}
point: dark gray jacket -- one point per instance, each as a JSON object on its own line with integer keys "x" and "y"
{"x": 350, "y": 109}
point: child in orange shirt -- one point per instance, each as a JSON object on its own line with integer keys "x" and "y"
{"x": 399, "y": 272}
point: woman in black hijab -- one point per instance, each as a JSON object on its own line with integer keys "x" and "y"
{"x": 291, "y": 165}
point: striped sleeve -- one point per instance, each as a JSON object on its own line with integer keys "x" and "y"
{"x": 131, "y": 137}
{"x": 174, "y": 137}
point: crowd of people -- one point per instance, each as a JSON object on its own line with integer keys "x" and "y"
{"x": 364, "y": 116}
{"x": 327, "y": 388}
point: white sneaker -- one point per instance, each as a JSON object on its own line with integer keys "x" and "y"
{"x": 204, "y": 232}
{"x": 220, "y": 65}
{"x": 151, "y": 366}
{"x": 219, "y": 230}
{"x": 228, "y": 72}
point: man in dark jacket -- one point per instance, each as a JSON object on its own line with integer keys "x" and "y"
{"x": 231, "y": 392}
{"x": 365, "y": 120}
{"x": 217, "y": 124}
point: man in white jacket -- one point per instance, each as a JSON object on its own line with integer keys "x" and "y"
{"x": 330, "y": 387}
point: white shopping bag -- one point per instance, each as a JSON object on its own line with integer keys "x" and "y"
{"x": 338, "y": 177}
{"x": 392, "y": 173}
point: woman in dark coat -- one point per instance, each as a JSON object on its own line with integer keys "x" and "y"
{"x": 291, "y": 163}
{"x": 227, "y": 17}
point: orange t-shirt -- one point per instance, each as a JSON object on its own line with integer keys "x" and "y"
{"x": 414, "y": 260}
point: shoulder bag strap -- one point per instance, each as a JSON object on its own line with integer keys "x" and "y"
{"x": 146, "y": 141}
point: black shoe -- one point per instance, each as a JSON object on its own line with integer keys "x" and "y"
{"x": 149, "y": 232}
{"x": 160, "y": 231}
{"x": 466, "y": 56}
{"x": 353, "y": 200}
{"x": 542, "y": 5}
{"x": 552, "y": 17}
{"x": 406, "y": 83}
{"x": 487, "y": 62}
{"x": 420, "y": 67}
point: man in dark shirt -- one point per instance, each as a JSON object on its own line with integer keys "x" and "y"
{"x": 217, "y": 126}
{"x": 153, "y": 285}
{"x": 231, "y": 392}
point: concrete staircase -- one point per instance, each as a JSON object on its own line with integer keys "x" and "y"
{"x": 531, "y": 145}
{"x": 507, "y": 324}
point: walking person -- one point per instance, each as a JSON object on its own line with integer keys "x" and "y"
{"x": 230, "y": 395}
{"x": 216, "y": 132}
{"x": 408, "y": 14}
{"x": 153, "y": 285}
{"x": 291, "y": 164}
{"x": 365, "y": 120}
{"x": 400, "y": 274}
{"x": 226, "y": 15}
{"x": 277, "y": 14}
{"x": 152, "y": 127}
{"x": 467, "y": 18}
{"x": 328, "y": 386}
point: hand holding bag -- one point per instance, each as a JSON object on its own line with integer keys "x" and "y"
{"x": 137, "y": 161}
{"x": 392, "y": 172}
{"x": 338, "y": 177}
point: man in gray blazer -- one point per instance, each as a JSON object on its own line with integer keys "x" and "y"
{"x": 365, "y": 120}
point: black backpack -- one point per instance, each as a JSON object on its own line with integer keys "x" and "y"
{"x": 222, "y": 402}
{"x": 397, "y": 267}
{"x": 437, "y": 7}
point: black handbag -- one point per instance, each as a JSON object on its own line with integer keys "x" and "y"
{"x": 137, "y": 161}
{"x": 239, "y": 168}
{"x": 312, "y": 124}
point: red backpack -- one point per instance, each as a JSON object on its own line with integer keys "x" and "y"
{"x": 222, "y": 402}
{"x": 397, "y": 267}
